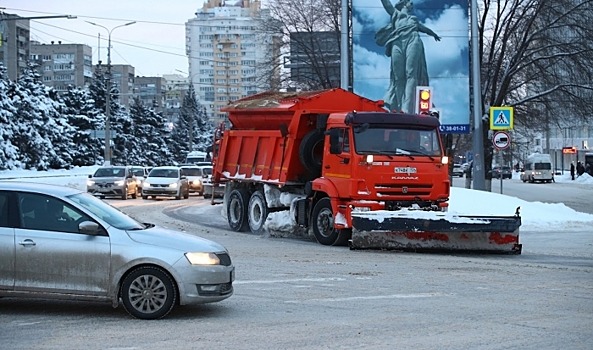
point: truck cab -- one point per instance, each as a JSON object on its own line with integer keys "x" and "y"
{"x": 386, "y": 161}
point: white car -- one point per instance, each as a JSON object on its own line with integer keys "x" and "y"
{"x": 196, "y": 176}
{"x": 457, "y": 170}
{"x": 165, "y": 181}
{"x": 58, "y": 242}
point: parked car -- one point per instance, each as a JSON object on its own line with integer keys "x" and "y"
{"x": 165, "y": 181}
{"x": 504, "y": 171}
{"x": 140, "y": 172}
{"x": 112, "y": 181}
{"x": 58, "y": 242}
{"x": 457, "y": 170}
{"x": 195, "y": 176}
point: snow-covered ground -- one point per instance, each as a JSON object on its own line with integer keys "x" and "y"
{"x": 536, "y": 216}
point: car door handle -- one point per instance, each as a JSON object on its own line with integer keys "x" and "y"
{"x": 27, "y": 243}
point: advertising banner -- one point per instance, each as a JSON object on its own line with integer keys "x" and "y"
{"x": 399, "y": 45}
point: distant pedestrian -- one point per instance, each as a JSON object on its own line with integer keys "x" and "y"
{"x": 572, "y": 170}
{"x": 580, "y": 168}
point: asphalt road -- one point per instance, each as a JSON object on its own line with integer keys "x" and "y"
{"x": 292, "y": 293}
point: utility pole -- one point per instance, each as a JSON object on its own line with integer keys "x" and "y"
{"x": 107, "y": 155}
{"x": 478, "y": 172}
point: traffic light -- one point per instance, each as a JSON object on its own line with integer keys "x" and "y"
{"x": 424, "y": 98}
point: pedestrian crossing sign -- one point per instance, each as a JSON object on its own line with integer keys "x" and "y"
{"x": 501, "y": 118}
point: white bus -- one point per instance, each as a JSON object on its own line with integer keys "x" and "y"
{"x": 197, "y": 157}
{"x": 538, "y": 167}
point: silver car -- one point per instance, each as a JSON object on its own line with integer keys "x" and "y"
{"x": 112, "y": 181}
{"x": 60, "y": 242}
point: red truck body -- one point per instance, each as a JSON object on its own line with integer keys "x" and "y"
{"x": 332, "y": 152}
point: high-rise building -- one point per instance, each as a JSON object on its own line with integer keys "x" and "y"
{"x": 61, "y": 65}
{"x": 14, "y": 44}
{"x": 315, "y": 49}
{"x": 226, "y": 52}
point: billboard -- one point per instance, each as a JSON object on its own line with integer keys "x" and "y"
{"x": 399, "y": 45}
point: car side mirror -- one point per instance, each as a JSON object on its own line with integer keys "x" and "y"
{"x": 183, "y": 177}
{"x": 90, "y": 176}
{"x": 89, "y": 228}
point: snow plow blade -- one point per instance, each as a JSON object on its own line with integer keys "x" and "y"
{"x": 436, "y": 232}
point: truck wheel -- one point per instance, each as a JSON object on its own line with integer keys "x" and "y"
{"x": 236, "y": 210}
{"x": 257, "y": 212}
{"x": 323, "y": 225}
{"x": 124, "y": 195}
{"x": 311, "y": 152}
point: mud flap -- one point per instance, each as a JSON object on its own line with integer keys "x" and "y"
{"x": 436, "y": 232}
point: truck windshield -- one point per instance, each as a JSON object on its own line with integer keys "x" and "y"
{"x": 383, "y": 140}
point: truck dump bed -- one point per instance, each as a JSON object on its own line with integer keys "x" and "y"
{"x": 267, "y": 130}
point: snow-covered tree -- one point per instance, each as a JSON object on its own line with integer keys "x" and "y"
{"x": 152, "y": 135}
{"x": 204, "y": 130}
{"x": 80, "y": 110}
{"x": 43, "y": 136}
{"x": 9, "y": 153}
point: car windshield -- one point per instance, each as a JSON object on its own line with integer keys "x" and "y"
{"x": 381, "y": 140}
{"x": 110, "y": 172}
{"x": 172, "y": 173}
{"x": 106, "y": 212}
{"x": 138, "y": 172}
{"x": 192, "y": 171}
{"x": 207, "y": 171}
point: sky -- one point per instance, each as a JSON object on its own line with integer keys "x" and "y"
{"x": 535, "y": 216}
{"x": 155, "y": 45}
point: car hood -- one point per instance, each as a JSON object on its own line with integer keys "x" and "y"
{"x": 163, "y": 237}
{"x": 107, "y": 179}
{"x": 161, "y": 180}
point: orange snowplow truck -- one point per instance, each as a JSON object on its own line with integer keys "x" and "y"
{"x": 336, "y": 161}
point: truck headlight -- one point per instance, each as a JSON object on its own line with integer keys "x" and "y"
{"x": 173, "y": 185}
{"x": 90, "y": 182}
{"x": 146, "y": 184}
{"x": 119, "y": 183}
{"x": 202, "y": 258}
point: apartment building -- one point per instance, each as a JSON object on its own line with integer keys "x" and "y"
{"x": 62, "y": 65}
{"x": 224, "y": 51}
{"x": 14, "y": 44}
{"x": 176, "y": 86}
{"x": 151, "y": 91}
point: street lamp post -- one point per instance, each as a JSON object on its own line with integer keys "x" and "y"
{"x": 107, "y": 155}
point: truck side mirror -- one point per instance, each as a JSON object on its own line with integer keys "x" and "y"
{"x": 334, "y": 141}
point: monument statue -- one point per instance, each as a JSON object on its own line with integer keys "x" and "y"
{"x": 402, "y": 43}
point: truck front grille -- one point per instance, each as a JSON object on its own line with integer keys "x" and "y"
{"x": 402, "y": 191}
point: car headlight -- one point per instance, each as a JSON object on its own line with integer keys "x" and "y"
{"x": 119, "y": 183}
{"x": 146, "y": 184}
{"x": 90, "y": 182}
{"x": 202, "y": 258}
{"x": 173, "y": 185}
